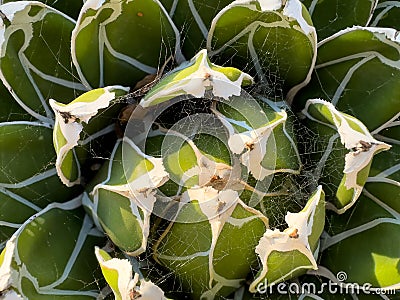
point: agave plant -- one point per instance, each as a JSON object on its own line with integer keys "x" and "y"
{"x": 156, "y": 149}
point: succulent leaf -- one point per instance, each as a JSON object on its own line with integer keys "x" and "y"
{"x": 255, "y": 142}
{"x": 191, "y": 168}
{"x": 355, "y": 138}
{"x": 69, "y": 124}
{"x": 289, "y": 253}
{"x": 368, "y": 233}
{"x": 122, "y": 198}
{"x": 330, "y": 16}
{"x": 33, "y": 79}
{"x": 103, "y": 58}
{"x": 118, "y": 273}
{"x": 343, "y": 71}
{"x": 43, "y": 259}
{"x": 28, "y": 178}
{"x": 69, "y": 7}
{"x": 195, "y": 78}
{"x": 193, "y": 18}
{"x": 386, "y": 15}
{"x": 216, "y": 217}
{"x": 255, "y": 35}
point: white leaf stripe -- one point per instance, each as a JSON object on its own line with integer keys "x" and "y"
{"x": 198, "y": 19}
{"x": 382, "y": 204}
{"x": 57, "y": 80}
{"x": 8, "y": 224}
{"x": 125, "y": 58}
{"x": 26, "y": 25}
{"x": 83, "y": 234}
{"x": 386, "y": 6}
{"x": 332, "y": 240}
{"x": 20, "y": 199}
{"x": 342, "y": 86}
{"x": 31, "y": 180}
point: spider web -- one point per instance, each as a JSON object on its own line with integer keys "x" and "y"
{"x": 99, "y": 150}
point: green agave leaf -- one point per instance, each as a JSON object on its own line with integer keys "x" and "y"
{"x": 363, "y": 243}
{"x": 290, "y": 253}
{"x": 191, "y": 162}
{"x": 28, "y": 177}
{"x": 122, "y": 196}
{"x": 217, "y": 262}
{"x": 51, "y": 255}
{"x": 346, "y": 145}
{"x": 256, "y": 130}
{"x": 120, "y": 42}
{"x": 193, "y": 18}
{"x": 69, "y": 7}
{"x": 343, "y": 71}
{"x": 331, "y": 16}
{"x": 10, "y": 110}
{"x": 369, "y": 232}
{"x": 386, "y": 14}
{"x": 195, "y": 78}
{"x": 118, "y": 273}
{"x": 35, "y": 61}
{"x": 255, "y": 33}
{"x": 70, "y": 123}
{"x": 262, "y": 137}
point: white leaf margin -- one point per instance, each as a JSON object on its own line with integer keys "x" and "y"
{"x": 350, "y": 138}
{"x": 140, "y": 191}
{"x": 283, "y": 241}
{"x": 78, "y": 112}
{"x": 292, "y": 9}
{"x": 198, "y": 82}
{"x": 96, "y": 5}
{"x": 146, "y": 290}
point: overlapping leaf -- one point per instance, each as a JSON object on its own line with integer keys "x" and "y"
{"x": 120, "y": 42}
{"x": 331, "y": 16}
{"x": 343, "y": 71}
{"x": 121, "y": 198}
{"x": 119, "y": 275}
{"x": 347, "y": 150}
{"x": 27, "y": 29}
{"x": 369, "y": 233}
{"x": 201, "y": 245}
{"x": 79, "y": 122}
{"x": 288, "y": 254}
{"x": 386, "y": 14}
{"x": 28, "y": 177}
{"x": 273, "y": 40}
{"x": 193, "y": 18}
{"x": 43, "y": 259}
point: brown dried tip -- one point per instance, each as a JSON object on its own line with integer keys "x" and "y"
{"x": 249, "y": 146}
{"x": 133, "y": 294}
{"x": 294, "y": 234}
{"x": 221, "y": 206}
{"x": 362, "y": 146}
{"x": 217, "y": 182}
{"x": 67, "y": 117}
